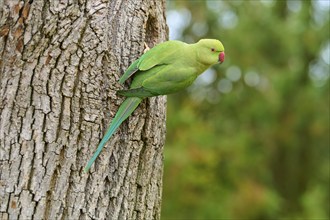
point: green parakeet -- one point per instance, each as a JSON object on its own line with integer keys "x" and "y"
{"x": 166, "y": 68}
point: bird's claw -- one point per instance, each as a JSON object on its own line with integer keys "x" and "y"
{"x": 146, "y": 47}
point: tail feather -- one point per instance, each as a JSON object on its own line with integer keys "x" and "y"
{"x": 124, "y": 111}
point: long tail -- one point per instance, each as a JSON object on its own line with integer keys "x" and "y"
{"x": 125, "y": 110}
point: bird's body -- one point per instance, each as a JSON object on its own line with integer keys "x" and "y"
{"x": 167, "y": 68}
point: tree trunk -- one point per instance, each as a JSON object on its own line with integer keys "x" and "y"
{"x": 59, "y": 70}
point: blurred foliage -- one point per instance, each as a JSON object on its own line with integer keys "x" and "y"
{"x": 250, "y": 139}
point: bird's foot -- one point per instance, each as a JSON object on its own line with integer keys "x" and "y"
{"x": 146, "y": 47}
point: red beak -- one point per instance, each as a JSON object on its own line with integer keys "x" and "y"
{"x": 222, "y": 57}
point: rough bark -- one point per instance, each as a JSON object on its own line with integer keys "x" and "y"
{"x": 60, "y": 63}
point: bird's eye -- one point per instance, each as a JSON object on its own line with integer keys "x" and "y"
{"x": 212, "y": 49}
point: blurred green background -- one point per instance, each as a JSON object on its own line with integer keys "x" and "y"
{"x": 250, "y": 138}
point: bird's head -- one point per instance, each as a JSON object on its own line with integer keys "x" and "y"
{"x": 210, "y": 51}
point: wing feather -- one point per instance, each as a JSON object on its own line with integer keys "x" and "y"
{"x": 164, "y": 53}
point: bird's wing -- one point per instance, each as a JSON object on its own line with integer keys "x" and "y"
{"x": 164, "y": 53}
{"x": 133, "y": 68}
{"x": 165, "y": 81}
{"x": 170, "y": 80}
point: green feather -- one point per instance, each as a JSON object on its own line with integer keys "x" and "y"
{"x": 129, "y": 72}
{"x": 125, "y": 110}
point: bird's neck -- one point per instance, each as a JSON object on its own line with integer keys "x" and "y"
{"x": 202, "y": 60}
